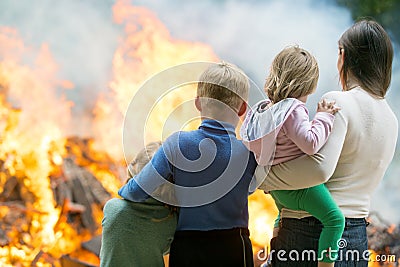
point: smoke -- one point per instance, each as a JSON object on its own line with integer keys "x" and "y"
{"x": 82, "y": 37}
{"x": 251, "y": 33}
{"x": 386, "y": 199}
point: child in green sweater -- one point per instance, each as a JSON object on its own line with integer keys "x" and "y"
{"x": 137, "y": 233}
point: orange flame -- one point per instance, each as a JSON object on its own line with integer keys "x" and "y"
{"x": 33, "y": 121}
{"x": 262, "y": 212}
{"x": 146, "y": 49}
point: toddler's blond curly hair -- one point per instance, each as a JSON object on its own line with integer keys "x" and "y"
{"x": 294, "y": 73}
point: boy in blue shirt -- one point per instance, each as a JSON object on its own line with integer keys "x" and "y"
{"x": 212, "y": 172}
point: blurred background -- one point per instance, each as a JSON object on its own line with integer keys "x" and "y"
{"x": 69, "y": 68}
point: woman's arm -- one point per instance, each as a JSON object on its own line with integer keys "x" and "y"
{"x": 307, "y": 171}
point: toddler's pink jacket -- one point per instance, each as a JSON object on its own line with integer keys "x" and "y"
{"x": 284, "y": 131}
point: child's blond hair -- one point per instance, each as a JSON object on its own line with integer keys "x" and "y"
{"x": 224, "y": 82}
{"x": 142, "y": 158}
{"x": 294, "y": 73}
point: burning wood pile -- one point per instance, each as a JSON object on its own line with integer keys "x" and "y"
{"x": 52, "y": 189}
{"x": 78, "y": 196}
{"x": 384, "y": 240}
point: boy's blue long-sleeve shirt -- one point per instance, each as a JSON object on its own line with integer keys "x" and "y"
{"x": 212, "y": 171}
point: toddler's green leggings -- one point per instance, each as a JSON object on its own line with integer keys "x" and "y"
{"x": 318, "y": 202}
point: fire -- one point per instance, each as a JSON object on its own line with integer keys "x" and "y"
{"x": 33, "y": 120}
{"x": 379, "y": 260}
{"x": 146, "y": 49}
{"x": 391, "y": 228}
{"x": 374, "y": 264}
{"x": 262, "y": 214}
{"x": 35, "y": 117}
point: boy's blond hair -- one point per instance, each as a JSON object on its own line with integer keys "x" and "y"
{"x": 294, "y": 73}
{"x": 223, "y": 82}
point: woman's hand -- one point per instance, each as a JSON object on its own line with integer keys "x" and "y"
{"x": 329, "y": 107}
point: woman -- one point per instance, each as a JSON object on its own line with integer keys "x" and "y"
{"x": 353, "y": 161}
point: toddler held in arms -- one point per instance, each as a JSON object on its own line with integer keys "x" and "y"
{"x": 283, "y": 121}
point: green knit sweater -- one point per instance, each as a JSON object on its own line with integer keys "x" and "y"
{"x": 136, "y": 234}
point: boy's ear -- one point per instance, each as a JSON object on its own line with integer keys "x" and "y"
{"x": 242, "y": 109}
{"x": 198, "y": 103}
